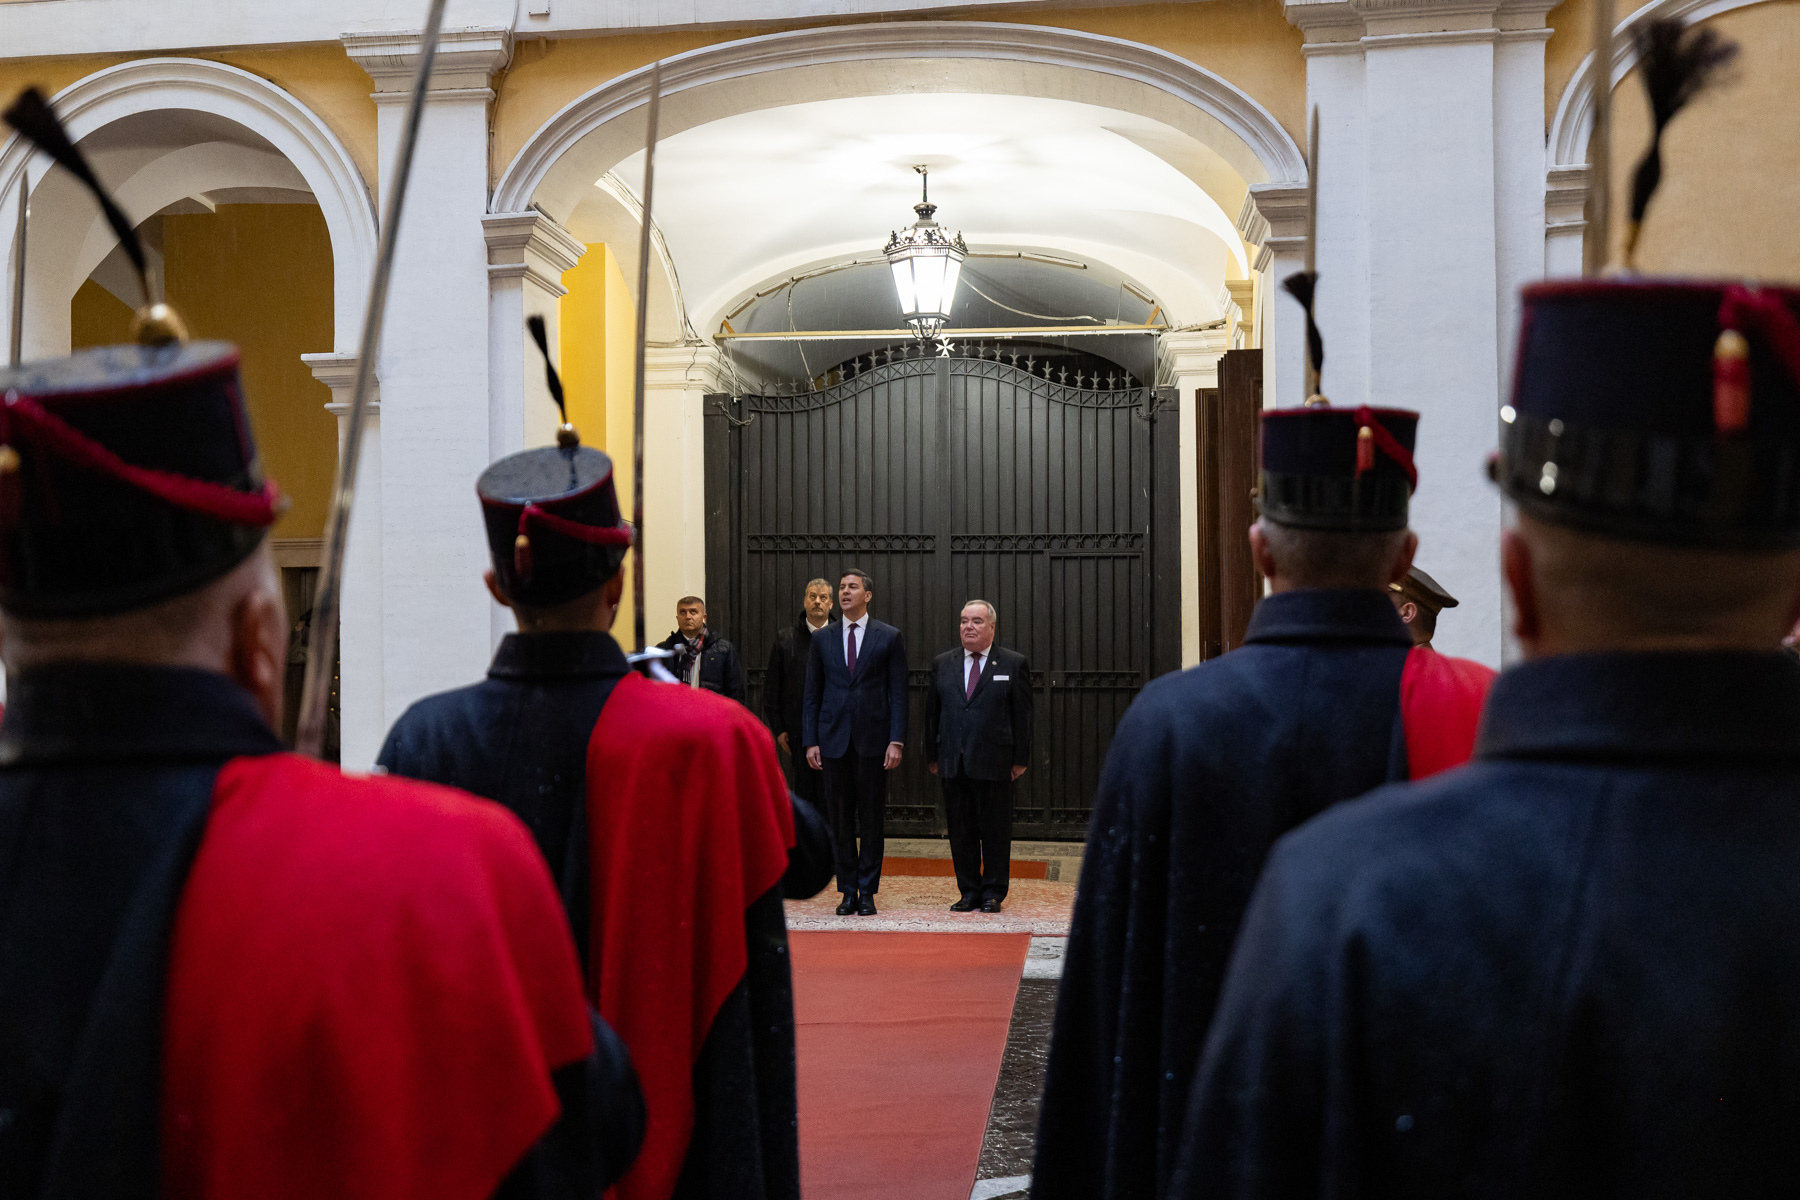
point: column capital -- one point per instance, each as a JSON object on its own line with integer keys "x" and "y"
{"x": 1353, "y": 26}
{"x": 1273, "y": 218}
{"x": 465, "y": 62}
{"x": 1182, "y": 356}
{"x": 529, "y": 245}
{"x": 1243, "y": 300}
{"x": 1565, "y": 198}
{"x": 697, "y": 367}
{"x": 338, "y": 372}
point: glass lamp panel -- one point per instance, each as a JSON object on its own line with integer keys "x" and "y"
{"x": 952, "y": 273}
{"x": 903, "y": 284}
{"x": 928, "y": 280}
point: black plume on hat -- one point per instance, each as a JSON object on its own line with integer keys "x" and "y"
{"x": 1679, "y": 62}
{"x": 36, "y": 121}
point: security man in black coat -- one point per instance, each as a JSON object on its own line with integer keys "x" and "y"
{"x": 784, "y": 688}
{"x": 702, "y": 658}
{"x": 978, "y": 734}
{"x": 1566, "y": 969}
{"x": 1208, "y": 768}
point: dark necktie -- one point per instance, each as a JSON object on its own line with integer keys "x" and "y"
{"x": 850, "y": 658}
{"x": 974, "y": 674}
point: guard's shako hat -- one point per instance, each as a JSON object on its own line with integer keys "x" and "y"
{"x": 128, "y": 474}
{"x": 1659, "y": 410}
{"x": 553, "y": 523}
{"x": 1347, "y": 470}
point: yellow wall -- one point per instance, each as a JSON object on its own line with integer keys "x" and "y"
{"x": 596, "y": 355}
{"x": 1247, "y": 42}
{"x": 1731, "y": 160}
{"x": 260, "y": 275}
{"x": 97, "y": 318}
{"x": 1571, "y": 38}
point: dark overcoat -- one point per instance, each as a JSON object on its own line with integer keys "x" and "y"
{"x": 1208, "y": 768}
{"x": 984, "y": 735}
{"x": 521, "y": 737}
{"x": 721, "y": 667}
{"x": 784, "y": 684}
{"x": 1565, "y": 970}
{"x": 106, "y": 785}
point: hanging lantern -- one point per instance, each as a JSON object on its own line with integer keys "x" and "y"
{"x": 927, "y": 262}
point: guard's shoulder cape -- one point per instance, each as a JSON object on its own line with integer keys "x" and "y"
{"x": 1441, "y": 698}
{"x": 369, "y": 986}
{"x": 689, "y": 823}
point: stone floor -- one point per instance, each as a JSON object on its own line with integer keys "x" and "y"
{"x": 1011, "y": 1138}
{"x": 921, "y": 904}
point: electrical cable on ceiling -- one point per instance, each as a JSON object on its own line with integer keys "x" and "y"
{"x": 1021, "y": 312}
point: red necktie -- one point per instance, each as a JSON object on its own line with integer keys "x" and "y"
{"x": 850, "y": 658}
{"x": 974, "y": 674}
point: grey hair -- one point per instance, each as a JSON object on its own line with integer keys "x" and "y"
{"x": 813, "y": 583}
{"x": 993, "y": 613}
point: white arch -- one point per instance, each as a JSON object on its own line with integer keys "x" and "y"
{"x": 1574, "y": 119}
{"x": 1031, "y": 59}
{"x": 195, "y": 85}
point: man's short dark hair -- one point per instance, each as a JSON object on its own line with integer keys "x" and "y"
{"x": 868, "y": 579}
{"x": 1331, "y": 557}
{"x": 690, "y": 600}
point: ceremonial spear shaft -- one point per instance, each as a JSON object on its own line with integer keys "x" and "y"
{"x": 315, "y": 696}
{"x": 17, "y": 354}
{"x": 643, "y": 336}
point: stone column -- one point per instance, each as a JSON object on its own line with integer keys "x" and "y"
{"x": 435, "y": 429}
{"x": 1431, "y": 215}
{"x": 362, "y": 715}
{"x": 1189, "y": 362}
{"x": 527, "y": 253}
{"x": 676, "y": 382}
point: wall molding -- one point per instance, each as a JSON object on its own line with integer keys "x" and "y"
{"x": 252, "y": 102}
{"x": 997, "y": 41}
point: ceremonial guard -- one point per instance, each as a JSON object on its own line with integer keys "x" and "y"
{"x": 1457, "y": 686}
{"x": 226, "y": 971}
{"x": 665, "y": 819}
{"x": 1566, "y": 969}
{"x": 1208, "y": 768}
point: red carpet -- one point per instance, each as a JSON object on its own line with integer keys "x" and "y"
{"x": 899, "y": 1044}
{"x": 1022, "y": 868}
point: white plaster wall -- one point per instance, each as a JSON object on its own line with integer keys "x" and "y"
{"x": 1432, "y": 299}
{"x": 436, "y": 614}
{"x": 1335, "y": 86}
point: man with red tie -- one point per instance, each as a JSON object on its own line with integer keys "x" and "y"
{"x": 978, "y": 734}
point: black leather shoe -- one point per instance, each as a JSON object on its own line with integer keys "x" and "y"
{"x": 848, "y": 907}
{"x": 990, "y": 906}
{"x": 966, "y": 904}
{"x": 866, "y": 908}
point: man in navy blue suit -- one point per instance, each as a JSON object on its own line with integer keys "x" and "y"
{"x": 853, "y": 725}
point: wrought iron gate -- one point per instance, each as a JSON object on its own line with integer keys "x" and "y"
{"x": 1053, "y": 495}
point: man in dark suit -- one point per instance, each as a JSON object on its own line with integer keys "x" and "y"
{"x": 784, "y": 688}
{"x": 853, "y": 725}
{"x": 978, "y": 734}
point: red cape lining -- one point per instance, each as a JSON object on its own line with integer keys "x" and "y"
{"x": 1440, "y": 706}
{"x": 370, "y": 981}
{"x": 688, "y": 823}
